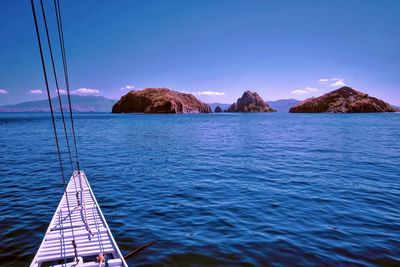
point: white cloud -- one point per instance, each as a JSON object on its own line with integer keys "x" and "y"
{"x": 334, "y": 82}
{"x": 35, "y": 92}
{"x": 299, "y": 92}
{"x": 208, "y": 93}
{"x": 62, "y": 91}
{"x": 304, "y": 91}
{"x": 323, "y": 80}
{"x": 327, "y": 80}
{"x": 338, "y": 83}
{"x": 312, "y": 90}
{"x": 3, "y": 92}
{"x": 85, "y": 91}
{"x": 128, "y": 87}
{"x": 80, "y": 91}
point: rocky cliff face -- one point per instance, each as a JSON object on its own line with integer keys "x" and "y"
{"x": 159, "y": 100}
{"x": 343, "y": 100}
{"x": 250, "y": 102}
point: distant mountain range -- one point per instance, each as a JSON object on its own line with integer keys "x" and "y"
{"x": 102, "y": 104}
{"x": 222, "y": 106}
{"x": 283, "y": 105}
{"x": 79, "y": 104}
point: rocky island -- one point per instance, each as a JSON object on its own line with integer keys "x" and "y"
{"x": 159, "y": 100}
{"x": 250, "y": 102}
{"x": 342, "y": 100}
{"x": 218, "y": 109}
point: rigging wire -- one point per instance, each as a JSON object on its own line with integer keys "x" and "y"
{"x": 62, "y": 241}
{"x": 56, "y": 81}
{"x": 54, "y": 124}
{"x": 95, "y": 214}
{"x": 82, "y": 203}
{"x": 66, "y": 77}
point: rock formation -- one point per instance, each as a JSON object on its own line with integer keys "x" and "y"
{"x": 342, "y": 100}
{"x": 159, "y": 100}
{"x": 250, "y": 102}
{"x": 218, "y": 109}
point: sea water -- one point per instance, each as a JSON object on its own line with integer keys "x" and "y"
{"x": 267, "y": 189}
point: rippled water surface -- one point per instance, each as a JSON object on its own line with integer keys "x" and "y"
{"x": 216, "y": 189}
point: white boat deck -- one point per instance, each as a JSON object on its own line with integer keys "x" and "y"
{"x": 84, "y": 221}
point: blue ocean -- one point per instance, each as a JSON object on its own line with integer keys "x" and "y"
{"x": 269, "y": 189}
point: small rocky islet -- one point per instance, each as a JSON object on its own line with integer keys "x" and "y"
{"x": 343, "y": 100}
{"x": 250, "y": 102}
{"x": 218, "y": 109}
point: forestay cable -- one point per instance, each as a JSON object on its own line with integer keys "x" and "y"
{"x": 54, "y": 123}
{"x": 66, "y": 77}
{"x": 56, "y": 81}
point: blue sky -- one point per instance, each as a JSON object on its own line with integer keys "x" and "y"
{"x": 215, "y": 49}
